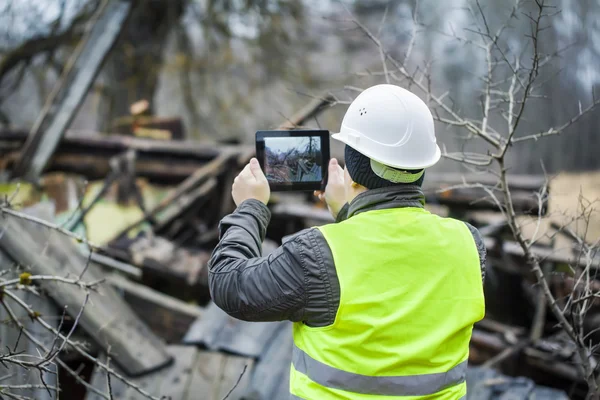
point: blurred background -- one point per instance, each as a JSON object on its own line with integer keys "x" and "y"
{"x": 228, "y": 68}
{"x": 123, "y": 124}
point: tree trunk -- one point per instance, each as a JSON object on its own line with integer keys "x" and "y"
{"x": 132, "y": 71}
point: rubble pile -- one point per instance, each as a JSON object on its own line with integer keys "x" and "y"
{"x": 141, "y": 216}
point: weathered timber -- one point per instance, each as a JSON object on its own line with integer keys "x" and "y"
{"x": 199, "y": 177}
{"x": 544, "y": 254}
{"x": 159, "y": 161}
{"x": 62, "y": 104}
{"x": 107, "y": 318}
{"x": 194, "y": 375}
{"x": 167, "y": 316}
{"x": 173, "y": 270}
{"x": 182, "y": 205}
{"x": 109, "y": 262}
{"x": 550, "y": 365}
{"x": 153, "y": 127}
{"x": 214, "y": 375}
{"x": 461, "y": 192}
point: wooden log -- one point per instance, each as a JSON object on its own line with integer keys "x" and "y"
{"x": 167, "y": 316}
{"x": 107, "y": 318}
{"x": 77, "y": 78}
{"x": 159, "y": 161}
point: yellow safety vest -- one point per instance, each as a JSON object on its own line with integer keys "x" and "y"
{"x": 410, "y": 292}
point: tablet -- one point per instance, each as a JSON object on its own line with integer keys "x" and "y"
{"x": 294, "y": 160}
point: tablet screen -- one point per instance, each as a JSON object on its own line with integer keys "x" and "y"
{"x": 293, "y": 160}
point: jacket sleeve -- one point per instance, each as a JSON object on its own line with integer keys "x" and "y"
{"x": 480, "y": 248}
{"x": 296, "y": 282}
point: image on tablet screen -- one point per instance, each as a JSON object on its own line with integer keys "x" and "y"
{"x": 293, "y": 159}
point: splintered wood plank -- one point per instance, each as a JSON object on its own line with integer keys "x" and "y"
{"x": 170, "y": 383}
{"x": 107, "y": 317}
{"x": 176, "y": 379}
{"x": 205, "y": 373}
{"x": 167, "y": 316}
{"x": 232, "y": 373}
{"x": 215, "y": 374}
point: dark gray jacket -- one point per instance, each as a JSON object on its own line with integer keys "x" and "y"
{"x": 298, "y": 281}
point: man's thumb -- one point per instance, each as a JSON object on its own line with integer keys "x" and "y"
{"x": 333, "y": 164}
{"x": 256, "y": 170}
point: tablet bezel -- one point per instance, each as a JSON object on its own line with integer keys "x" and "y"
{"x": 295, "y": 186}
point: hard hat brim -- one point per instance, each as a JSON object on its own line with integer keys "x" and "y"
{"x": 438, "y": 154}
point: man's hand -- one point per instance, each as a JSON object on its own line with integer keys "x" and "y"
{"x": 251, "y": 183}
{"x": 335, "y": 192}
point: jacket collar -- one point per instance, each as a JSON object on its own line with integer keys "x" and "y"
{"x": 388, "y": 197}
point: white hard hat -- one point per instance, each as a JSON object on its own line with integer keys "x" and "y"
{"x": 391, "y": 126}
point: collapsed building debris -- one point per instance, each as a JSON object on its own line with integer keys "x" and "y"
{"x": 151, "y": 315}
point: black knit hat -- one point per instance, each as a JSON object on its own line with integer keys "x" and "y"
{"x": 361, "y": 172}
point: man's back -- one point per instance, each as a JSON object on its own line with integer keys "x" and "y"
{"x": 410, "y": 291}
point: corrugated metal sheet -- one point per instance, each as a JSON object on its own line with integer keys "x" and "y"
{"x": 218, "y": 331}
{"x": 271, "y": 375}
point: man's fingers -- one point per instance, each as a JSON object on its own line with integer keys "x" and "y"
{"x": 319, "y": 194}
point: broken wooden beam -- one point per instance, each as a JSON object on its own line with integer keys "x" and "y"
{"x": 107, "y": 318}
{"x": 159, "y": 161}
{"x": 178, "y": 272}
{"x": 67, "y": 96}
{"x": 182, "y": 205}
{"x": 167, "y": 316}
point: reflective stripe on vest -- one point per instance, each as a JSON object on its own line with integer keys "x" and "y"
{"x": 411, "y": 385}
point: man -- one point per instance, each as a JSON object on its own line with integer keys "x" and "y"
{"x": 384, "y": 300}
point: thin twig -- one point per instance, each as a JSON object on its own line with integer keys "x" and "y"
{"x": 237, "y": 383}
